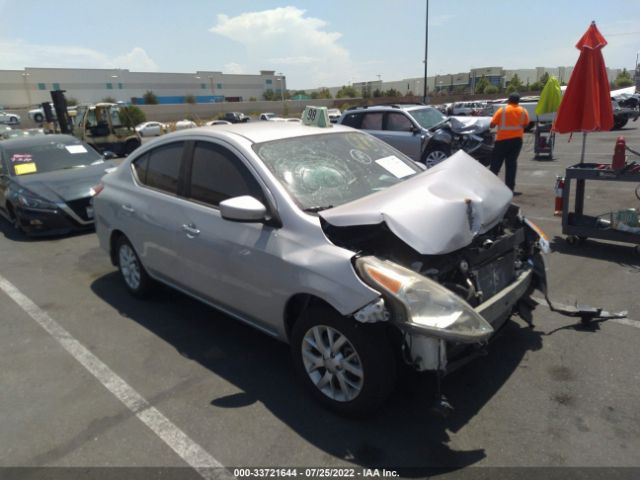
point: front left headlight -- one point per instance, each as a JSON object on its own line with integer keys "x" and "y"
{"x": 29, "y": 200}
{"x": 428, "y": 306}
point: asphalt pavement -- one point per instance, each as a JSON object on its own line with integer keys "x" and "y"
{"x": 90, "y": 377}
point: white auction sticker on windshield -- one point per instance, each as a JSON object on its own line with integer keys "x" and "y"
{"x": 395, "y": 166}
{"x": 76, "y": 149}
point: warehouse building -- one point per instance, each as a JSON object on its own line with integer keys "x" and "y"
{"x": 31, "y": 86}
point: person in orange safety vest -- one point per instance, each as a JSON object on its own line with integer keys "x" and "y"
{"x": 510, "y": 120}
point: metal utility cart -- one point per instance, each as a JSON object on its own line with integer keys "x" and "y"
{"x": 543, "y": 140}
{"x": 579, "y": 226}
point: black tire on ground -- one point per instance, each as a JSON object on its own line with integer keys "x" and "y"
{"x": 127, "y": 260}
{"x": 13, "y": 121}
{"x": 38, "y": 118}
{"x": 619, "y": 123}
{"x": 371, "y": 346}
{"x": 436, "y": 154}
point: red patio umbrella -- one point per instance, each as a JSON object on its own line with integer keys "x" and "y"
{"x": 586, "y": 104}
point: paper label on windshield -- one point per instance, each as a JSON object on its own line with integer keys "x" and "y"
{"x": 24, "y": 168}
{"x": 395, "y": 166}
{"x": 76, "y": 149}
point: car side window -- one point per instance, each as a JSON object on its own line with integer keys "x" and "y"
{"x": 372, "y": 121}
{"x": 217, "y": 174}
{"x": 161, "y": 167}
{"x": 352, "y": 120}
{"x": 397, "y": 122}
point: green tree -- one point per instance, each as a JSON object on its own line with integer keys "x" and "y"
{"x": 299, "y": 92}
{"x": 409, "y": 94}
{"x": 377, "y": 93}
{"x": 347, "y": 92}
{"x": 481, "y": 84}
{"x": 190, "y": 99}
{"x": 323, "y": 93}
{"x": 535, "y": 86}
{"x": 515, "y": 84}
{"x": 107, "y": 99}
{"x": 392, "y": 92}
{"x": 253, "y": 99}
{"x": 131, "y": 116}
{"x": 623, "y": 79}
{"x": 544, "y": 79}
{"x": 71, "y": 102}
{"x": 150, "y": 98}
{"x": 491, "y": 89}
{"x": 366, "y": 91}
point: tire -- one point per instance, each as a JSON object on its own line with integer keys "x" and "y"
{"x": 435, "y": 155}
{"x": 38, "y": 118}
{"x": 619, "y": 123}
{"x": 13, "y": 121}
{"x": 135, "y": 277}
{"x": 354, "y": 388}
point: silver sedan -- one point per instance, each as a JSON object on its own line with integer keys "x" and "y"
{"x": 325, "y": 238}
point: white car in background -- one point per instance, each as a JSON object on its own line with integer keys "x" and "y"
{"x": 151, "y": 129}
{"x": 9, "y": 118}
{"x": 334, "y": 114}
{"x": 184, "y": 124}
{"x": 267, "y": 115}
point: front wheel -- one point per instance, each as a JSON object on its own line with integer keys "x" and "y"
{"x": 135, "y": 277}
{"x": 435, "y": 155}
{"x": 13, "y": 121}
{"x": 38, "y": 118}
{"x": 348, "y": 366}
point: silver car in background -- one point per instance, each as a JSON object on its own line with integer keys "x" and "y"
{"x": 328, "y": 239}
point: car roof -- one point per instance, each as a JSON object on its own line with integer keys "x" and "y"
{"x": 34, "y": 140}
{"x": 391, "y": 107}
{"x": 259, "y": 132}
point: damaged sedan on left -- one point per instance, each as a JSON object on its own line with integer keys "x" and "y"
{"x": 328, "y": 239}
{"x": 46, "y": 183}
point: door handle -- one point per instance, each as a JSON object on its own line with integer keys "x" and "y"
{"x": 191, "y": 230}
{"x": 128, "y": 208}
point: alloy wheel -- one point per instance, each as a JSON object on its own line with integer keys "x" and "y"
{"x": 332, "y": 363}
{"x": 129, "y": 266}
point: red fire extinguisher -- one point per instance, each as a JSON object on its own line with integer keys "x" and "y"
{"x": 559, "y": 187}
{"x": 619, "y": 158}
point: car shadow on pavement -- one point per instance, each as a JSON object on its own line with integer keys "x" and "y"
{"x": 622, "y": 254}
{"x": 404, "y": 435}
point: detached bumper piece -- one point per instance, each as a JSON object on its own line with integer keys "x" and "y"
{"x": 586, "y": 313}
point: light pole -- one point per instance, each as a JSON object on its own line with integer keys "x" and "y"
{"x": 426, "y": 51}
{"x": 281, "y": 78}
{"x": 25, "y": 75}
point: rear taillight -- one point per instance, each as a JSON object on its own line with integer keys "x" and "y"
{"x": 97, "y": 189}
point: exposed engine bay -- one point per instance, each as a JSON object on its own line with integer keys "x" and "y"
{"x": 475, "y": 273}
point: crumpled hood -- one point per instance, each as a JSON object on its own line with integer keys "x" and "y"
{"x": 436, "y": 212}
{"x": 463, "y": 124}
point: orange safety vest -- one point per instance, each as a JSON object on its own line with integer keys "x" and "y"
{"x": 510, "y": 120}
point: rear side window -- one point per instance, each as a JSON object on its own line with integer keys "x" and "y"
{"x": 217, "y": 174}
{"x": 397, "y": 122}
{"x": 160, "y": 168}
{"x": 372, "y": 121}
{"x": 352, "y": 120}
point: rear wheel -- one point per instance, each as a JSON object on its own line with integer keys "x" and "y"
{"x": 13, "y": 121}
{"x": 133, "y": 274}
{"x": 348, "y": 366}
{"x": 38, "y": 118}
{"x": 619, "y": 123}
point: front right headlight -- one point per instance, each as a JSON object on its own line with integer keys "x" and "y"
{"x": 428, "y": 306}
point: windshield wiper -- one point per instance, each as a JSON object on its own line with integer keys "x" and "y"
{"x": 317, "y": 209}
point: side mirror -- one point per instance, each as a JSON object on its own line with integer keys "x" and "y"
{"x": 243, "y": 209}
{"x": 109, "y": 155}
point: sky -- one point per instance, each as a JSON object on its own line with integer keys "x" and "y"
{"x": 314, "y": 43}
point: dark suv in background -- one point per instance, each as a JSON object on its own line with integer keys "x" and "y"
{"x": 423, "y": 133}
{"x": 235, "y": 117}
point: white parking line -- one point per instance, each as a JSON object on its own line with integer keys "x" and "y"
{"x": 622, "y": 321}
{"x": 187, "y": 449}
